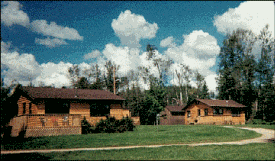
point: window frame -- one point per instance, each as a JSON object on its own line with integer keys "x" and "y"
{"x": 235, "y": 113}
{"x": 30, "y": 108}
{"x": 24, "y": 108}
{"x": 57, "y": 107}
{"x": 99, "y": 109}
{"x": 217, "y": 112}
{"x": 206, "y": 112}
{"x": 199, "y": 112}
{"x": 188, "y": 114}
{"x": 177, "y": 113}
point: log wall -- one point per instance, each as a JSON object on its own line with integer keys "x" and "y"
{"x": 226, "y": 118}
{"x": 168, "y": 119}
{"x": 37, "y": 123}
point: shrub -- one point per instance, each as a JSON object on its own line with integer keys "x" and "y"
{"x": 129, "y": 124}
{"x": 258, "y": 121}
{"x": 111, "y": 125}
{"x": 86, "y": 126}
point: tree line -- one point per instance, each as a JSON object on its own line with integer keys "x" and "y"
{"x": 246, "y": 72}
{"x": 144, "y": 103}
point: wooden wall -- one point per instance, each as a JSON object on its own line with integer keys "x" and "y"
{"x": 168, "y": 119}
{"x": 80, "y": 108}
{"x": 226, "y": 118}
{"x": 36, "y": 108}
{"x": 136, "y": 120}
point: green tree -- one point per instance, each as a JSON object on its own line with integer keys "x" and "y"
{"x": 95, "y": 73}
{"x": 204, "y": 94}
{"x": 200, "y": 82}
{"x": 154, "y": 99}
{"x": 265, "y": 76}
{"x": 161, "y": 64}
{"x": 9, "y": 107}
{"x": 82, "y": 83}
{"x": 74, "y": 74}
{"x": 108, "y": 77}
{"x": 237, "y": 69}
{"x": 185, "y": 75}
{"x": 153, "y": 103}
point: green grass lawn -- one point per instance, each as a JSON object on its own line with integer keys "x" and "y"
{"x": 255, "y": 151}
{"x": 143, "y": 135}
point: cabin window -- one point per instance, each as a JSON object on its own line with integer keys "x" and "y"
{"x": 199, "y": 112}
{"x": 177, "y": 113}
{"x": 188, "y": 114}
{"x": 24, "y": 108}
{"x": 205, "y": 112}
{"x": 57, "y": 106}
{"x": 235, "y": 113}
{"x": 220, "y": 111}
{"x": 30, "y": 108}
{"x": 99, "y": 109}
{"x": 217, "y": 111}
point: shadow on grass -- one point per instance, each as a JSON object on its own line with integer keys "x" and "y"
{"x": 271, "y": 140}
{"x": 30, "y": 156}
{"x": 17, "y": 143}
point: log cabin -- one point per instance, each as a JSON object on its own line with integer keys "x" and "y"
{"x": 172, "y": 115}
{"x": 216, "y": 112}
{"x": 45, "y": 111}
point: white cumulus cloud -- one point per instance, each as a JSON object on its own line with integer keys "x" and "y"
{"x": 199, "y": 51}
{"x": 131, "y": 28}
{"x": 54, "y": 74}
{"x": 5, "y": 47}
{"x": 168, "y": 42}
{"x": 24, "y": 68}
{"x": 93, "y": 54}
{"x": 20, "y": 67}
{"x": 54, "y": 30}
{"x": 50, "y": 42}
{"x": 127, "y": 58}
{"x": 251, "y": 15}
{"x": 11, "y": 14}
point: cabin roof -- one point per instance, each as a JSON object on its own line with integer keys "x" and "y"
{"x": 221, "y": 103}
{"x": 175, "y": 108}
{"x": 218, "y": 103}
{"x": 64, "y": 93}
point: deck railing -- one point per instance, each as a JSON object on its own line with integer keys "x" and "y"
{"x": 53, "y": 120}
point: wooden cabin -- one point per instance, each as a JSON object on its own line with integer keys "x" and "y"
{"x": 58, "y": 111}
{"x": 207, "y": 111}
{"x": 172, "y": 115}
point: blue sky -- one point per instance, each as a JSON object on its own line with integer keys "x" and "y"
{"x": 44, "y": 38}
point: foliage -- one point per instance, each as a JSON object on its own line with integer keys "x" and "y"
{"x": 111, "y": 125}
{"x": 265, "y": 76}
{"x": 9, "y": 107}
{"x": 245, "y": 78}
{"x": 86, "y": 126}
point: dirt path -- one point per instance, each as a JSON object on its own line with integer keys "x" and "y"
{"x": 266, "y": 135}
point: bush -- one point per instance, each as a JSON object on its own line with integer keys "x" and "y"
{"x": 86, "y": 126}
{"x": 258, "y": 121}
{"x": 129, "y": 124}
{"x": 111, "y": 125}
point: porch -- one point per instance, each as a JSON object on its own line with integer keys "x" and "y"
{"x": 218, "y": 119}
{"x": 33, "y": 125}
